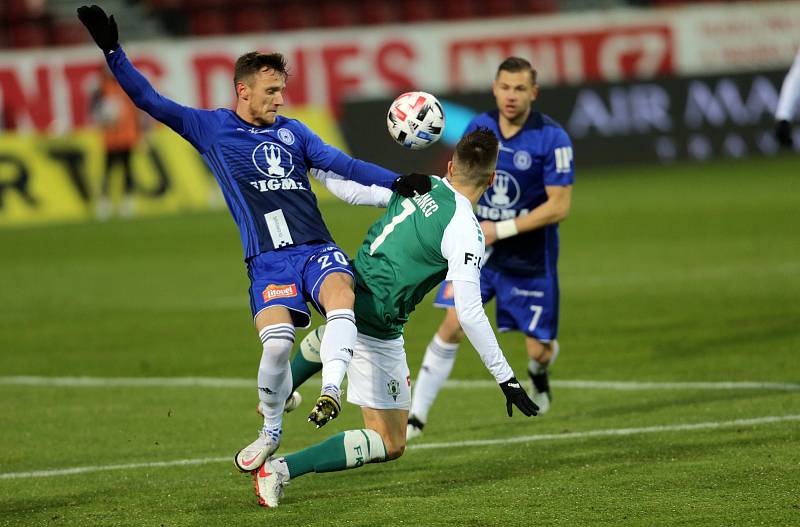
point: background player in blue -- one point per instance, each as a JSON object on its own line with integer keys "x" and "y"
{"x": 261, "y": 161}
{"x": 520, "y": 214}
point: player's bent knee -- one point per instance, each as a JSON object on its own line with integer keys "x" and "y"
{"x": 394, "y": 450}
{"x": 336, "y": 292}
{"x": 395, "y": 444}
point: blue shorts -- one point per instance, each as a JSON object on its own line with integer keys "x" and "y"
{"x": 292, "y": 276}
{"x": 529, "y": 305}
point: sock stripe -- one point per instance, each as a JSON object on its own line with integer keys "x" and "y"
{"x": 369, "y": 444}
{"x": 277, "y": 333}
{"x": 270, "y": 331}
{"x": 349, "y": 318}
{"x": 280, "y": 332}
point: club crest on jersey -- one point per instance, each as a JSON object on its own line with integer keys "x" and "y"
{"x": 273, "y": 160}
{"x": 504, "y": 192}
{"x": 286, "y": 136}
{"x": 522, "y": 160}
{"x": 273, "y": 291}
{"x": 394, "y": 388}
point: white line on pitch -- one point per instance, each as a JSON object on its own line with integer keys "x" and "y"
{"x": 219, "y": 382}
{"x": 686, "y": 427}
{"x": 614, "y": 432}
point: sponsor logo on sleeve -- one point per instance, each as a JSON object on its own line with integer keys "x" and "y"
{"x": 273, "y": 291}
{"x": 471, "y": 259}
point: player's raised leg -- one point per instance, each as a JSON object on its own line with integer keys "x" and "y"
{"x": 440, "y": 356}
{"x": 336, "y": 346}
{"x": 276, "y": 330}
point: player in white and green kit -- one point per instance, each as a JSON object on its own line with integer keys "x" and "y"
{"x": 407, "y": 252}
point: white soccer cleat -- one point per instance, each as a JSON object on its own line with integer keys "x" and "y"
{"x": 269, "y": 481}
{"x": 414, "y": 428}
{"x": 542, "y": 400}
{"x": 293, "y": 402}
{"x": 412, "y": 432}
{"x": 256, "y": 453}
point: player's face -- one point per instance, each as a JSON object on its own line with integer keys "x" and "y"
{"x": 514, "y": 92}
{"x": 264, "y": 96}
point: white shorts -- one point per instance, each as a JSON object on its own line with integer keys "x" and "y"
{"x": 378, "y": 375}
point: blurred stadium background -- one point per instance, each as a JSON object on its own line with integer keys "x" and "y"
{"x": 632, "y": 82}
{"x": 680, "y": 263}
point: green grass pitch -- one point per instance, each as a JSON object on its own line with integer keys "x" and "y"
{"x": 685, "y": 273}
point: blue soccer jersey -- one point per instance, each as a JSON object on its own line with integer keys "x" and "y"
{"x": 539, "y": 155}
{"x": 262, "y": 171}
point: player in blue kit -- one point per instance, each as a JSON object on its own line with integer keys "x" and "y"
{"x": 519, "y": 216}
{"x": 261, "y": 161}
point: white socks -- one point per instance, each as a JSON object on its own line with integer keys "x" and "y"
{"x": 337, "y": 345}
{"x": 436, "y": 367}
{"x": 362, "y": 447}
{"x": 274, "y": 373}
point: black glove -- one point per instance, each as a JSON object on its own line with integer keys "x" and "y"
{"x": 783, "y": 132}
{"x": 102, "y": 28}
{"x": 518, "y": 397}
{"x": 410, "y": 185}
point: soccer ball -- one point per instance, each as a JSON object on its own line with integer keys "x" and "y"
{"x": 415, "y": 120}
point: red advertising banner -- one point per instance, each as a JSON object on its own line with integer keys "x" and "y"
{"x": 49, "y": 90}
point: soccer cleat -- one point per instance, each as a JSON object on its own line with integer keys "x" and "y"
{"x": 292, "y": 402}
{"x": 541, "y": 391}
{"x": 253, "y": 455}
{"x": 269, "y": 481}
{"x": 327, "y": 407}
{"x": 414, "y": 428}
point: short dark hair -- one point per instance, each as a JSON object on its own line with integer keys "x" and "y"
{"x": 475, "y": 157}
{"x": 253, "y": 62}
{"x": 515, "y": 64}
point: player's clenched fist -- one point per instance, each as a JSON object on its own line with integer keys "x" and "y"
{"x": 102, "y": 27}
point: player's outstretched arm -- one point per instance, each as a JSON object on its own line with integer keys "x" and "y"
{"x": 352, "y": 192}
{"x": 104, "y": 32}
{"x": 329, "y": 158}
{"x": 475, "y": 323}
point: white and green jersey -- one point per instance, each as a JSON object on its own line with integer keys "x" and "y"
{"x": 409, "y": 251}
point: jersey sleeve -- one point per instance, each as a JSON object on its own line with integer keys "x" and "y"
{"x": 473, "y": 319}
{"x": 462, "y": 247}
{"x": 559, "y": 169}
{"x": 326, "y": 157}
{"x": 352, "y": 192}
{"x": 790, "y": 93}
{"x": 196, "y": 126}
